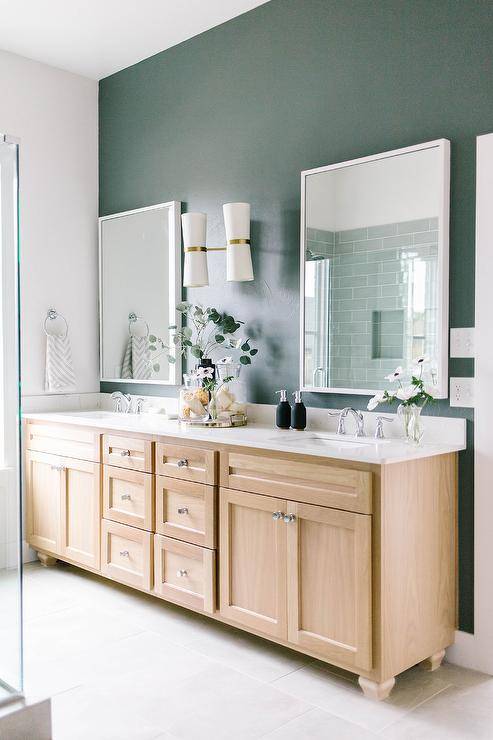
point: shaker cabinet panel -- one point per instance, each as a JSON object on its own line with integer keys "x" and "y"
{"x": 128, "y": 497}
{"x": 186, "y": 511}
{"x": 252, "y": 556}
{"x": 80, "y": 511}
{"x": 188, "y": 463}
{"x": 184, "y": 573}
{"x": 133, "y": 453}
{"x": 43, "y": 495}
{"x": 329, "y": 583}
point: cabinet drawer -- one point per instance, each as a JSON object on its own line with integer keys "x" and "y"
{"x": 126, "y": 554}
{"x": 69, "y": 441}
{"x": 312, "y": 483}
{"x": 186, "y": 511}
{"x": 128, "y": 497}
{"x": 188, "y": 463}
{"x": 184, "y": 573}
{"x": 127, "y": 452}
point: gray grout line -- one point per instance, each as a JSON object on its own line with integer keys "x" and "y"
{"x": 412, "y": 709}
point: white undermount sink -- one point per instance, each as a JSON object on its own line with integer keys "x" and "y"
{"x": 93, "y": 414}
{"x": 302, "y": 439}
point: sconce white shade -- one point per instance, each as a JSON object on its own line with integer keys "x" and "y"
{"x": 194, "y": 227}
{"x": 238, "y": 256}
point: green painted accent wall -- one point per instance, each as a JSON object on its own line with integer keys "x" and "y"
{"x": 237, "y": 112}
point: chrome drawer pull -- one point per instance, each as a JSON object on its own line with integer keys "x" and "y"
{"x": 288, "y": 518}
{"x": 181, "y": 573}
{"x": 124, "y": 553}
{"x": 125, "y": 453}
{"x": 183, "y": 510}
{"x": 182, "y": 463}
{"x": 277, "y": 515}
{"x": 126, "y": 497}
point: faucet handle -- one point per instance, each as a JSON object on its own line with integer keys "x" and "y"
{"x": 379, "y": 428}
{"x": 340, "y": 426}
{"x": 139, "y": 404}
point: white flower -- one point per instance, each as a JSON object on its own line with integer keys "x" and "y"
{"x": 204, "y": 372}
{"x": 406, "y": 393}
{"x": 225, "y": 361}
{"x": 420, "y": 360}
{"x": 395, "y": 375}
{"x": 377, "y": 398}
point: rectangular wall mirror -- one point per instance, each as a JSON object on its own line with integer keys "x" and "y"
{"x": 140, "y": 285}
{"x": 374, "y": 269}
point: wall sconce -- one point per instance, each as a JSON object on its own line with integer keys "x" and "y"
{"x": 238, "y": 255}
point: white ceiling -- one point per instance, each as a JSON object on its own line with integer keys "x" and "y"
{"x": 96, "y": 39}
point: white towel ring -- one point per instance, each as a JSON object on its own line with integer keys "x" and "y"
{"x": 52, "y": 315}
{"x": 132, "y": 319}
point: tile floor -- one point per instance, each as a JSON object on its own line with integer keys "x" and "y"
{"x": 121, "y": 665}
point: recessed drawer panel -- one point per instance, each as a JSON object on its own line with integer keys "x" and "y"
{"x": 186, "y": 511}
{"x": 307, "y": 482}
{"x": 58, "y": 439}
{"x": 127, "y": 452}
{"x": 184, "y": 573}
{"x": 188, "y": 463}
{"x": 126, "y": 554}
{"x": 128, "y": 497}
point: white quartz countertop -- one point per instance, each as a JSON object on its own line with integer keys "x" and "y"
{"x": 309, "y": 442}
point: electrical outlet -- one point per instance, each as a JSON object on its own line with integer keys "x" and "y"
{"x": 462, "y": 342}
{"x": 462, "y": 392}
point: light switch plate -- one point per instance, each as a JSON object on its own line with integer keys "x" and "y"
{"x": 462, "y": 342}
{"x": 462, "y": 392}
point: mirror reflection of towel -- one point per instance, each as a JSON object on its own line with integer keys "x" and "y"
{"x": 137, "y": 359}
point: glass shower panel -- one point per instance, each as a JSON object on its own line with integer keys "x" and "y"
{"x": 10, "y": 502}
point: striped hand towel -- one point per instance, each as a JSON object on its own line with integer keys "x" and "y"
{"x": 60, "y": 375}
{"x": 137, "y": 359}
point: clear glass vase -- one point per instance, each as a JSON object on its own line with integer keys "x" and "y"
{"x": 194, "y": 400}
{"x": 229, "y": 398}
{"x": 411, "y": 420}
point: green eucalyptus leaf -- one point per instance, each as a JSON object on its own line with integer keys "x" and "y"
{"x": 219, "y": 338}
{"x": 152, "y": 348}
{"x": 187, "y": 343}
{"x": 183, "y": 306}
{"x": 152, "y": 338}
{"x": 187, "y": 332}
{"x": 245, "y": 360}
{"x": 196, "y": 351}
{"x": 156, "y": 367}
{"x": 171, "y": 359}
{"x": 245, "y": 347}
{"x": 253, "y": 352}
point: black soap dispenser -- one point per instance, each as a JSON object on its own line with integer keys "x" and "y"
{"x": 298, "y": 412}
{"x": 283, "y": 411}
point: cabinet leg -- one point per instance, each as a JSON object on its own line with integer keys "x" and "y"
{"x": 374, "y": 690}
{"x": 434, "y": 661}
{"x": 46, "y": 560}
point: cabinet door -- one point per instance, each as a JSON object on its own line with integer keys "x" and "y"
{"x": 252, "y": 561}
{"x": 329, "y": 583}
{"x": 43, "y": 487}
{"x": 80, "y": 512}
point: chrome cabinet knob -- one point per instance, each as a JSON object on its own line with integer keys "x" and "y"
{"x": 126, "y": 497}
{"x": 181, "y": 573}
{"x": 288, "y": 518}
{"x": 183, "y": 510}
{"x": 124, "y": 553}
{"x": 183, "y": 463}
{"x": 277, "y": 515}
{"x": 125, "y": 453}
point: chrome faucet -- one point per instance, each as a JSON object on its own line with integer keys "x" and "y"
{"x": 118, "y": 398}
{"x": 139, "y": 405}
{"x": 358, "y": 417}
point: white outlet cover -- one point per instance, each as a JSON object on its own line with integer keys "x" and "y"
{"x": 462, "y": 392}
{"x": 462, "y": 342}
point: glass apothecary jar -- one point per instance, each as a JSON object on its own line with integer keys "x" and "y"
{"x": 194, "y": 400}
{"x": 229, "y": 398}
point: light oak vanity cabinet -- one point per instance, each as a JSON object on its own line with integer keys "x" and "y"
{"x": 349, "y": 562}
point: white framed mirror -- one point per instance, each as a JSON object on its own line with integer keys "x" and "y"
{"x": 139, "y": 287}
{"x": 374, "y": 269}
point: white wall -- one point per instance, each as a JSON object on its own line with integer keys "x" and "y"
{"x": 54, "y": 114}
{"x": 385, "y": 191}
